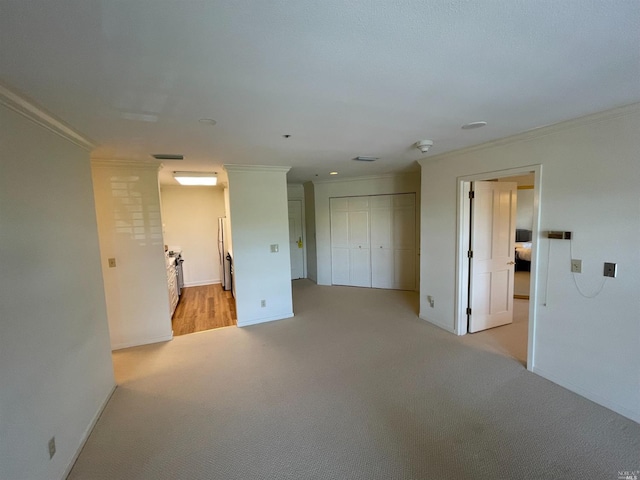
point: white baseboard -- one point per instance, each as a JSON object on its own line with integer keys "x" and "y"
{"x": 439, "y": 325}
{"x": 202, "y": 283}
{"x": 255, "y": 321}
{"x": 87, "y": 432}
{"x": 594, "y": 397}
{"x": 147, "y": 341}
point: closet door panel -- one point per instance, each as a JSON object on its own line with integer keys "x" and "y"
{"x": 340, "y": 229}
{"x": 381, "y": 242}
{"x": 339, "y": 241}
{"x": 360, "y": 267}
{"x": 340, "y": 266}
{"x": 359, "y": 229}
{"x": 382, "y": 269}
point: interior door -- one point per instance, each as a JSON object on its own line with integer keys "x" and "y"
{"x": 493, "y": 216}
{"x": 295, "y": 239}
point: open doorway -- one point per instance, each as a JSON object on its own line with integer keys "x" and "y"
{"x": 496, "y": 260}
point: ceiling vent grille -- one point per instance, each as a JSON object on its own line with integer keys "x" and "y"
{"x": 366, "y": 159}
{"x": 167, "y": 156}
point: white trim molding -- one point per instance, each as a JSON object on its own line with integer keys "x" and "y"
{"x": 255, "y": 321}
{"x": 143, "y": 164}
{"x": 540, "y": 131}
{"x": 37, "y": 114}
{"x": 366, "y": 177}
{"x": 255, "y": 168}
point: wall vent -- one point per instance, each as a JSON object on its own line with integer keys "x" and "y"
{"x": 167, "y": 156}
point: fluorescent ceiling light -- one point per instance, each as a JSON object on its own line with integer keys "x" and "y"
{"x": 196, "y": 178}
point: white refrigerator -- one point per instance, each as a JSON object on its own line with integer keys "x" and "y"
{"x": 223, "y": 250}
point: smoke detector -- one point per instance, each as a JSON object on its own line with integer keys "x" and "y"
{"x": 424, "y": 145}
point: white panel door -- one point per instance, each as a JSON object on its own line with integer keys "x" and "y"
{"x": 295, "y": 239}
{"x": 404, "y": 241}
{"x": 492, "y": 243}
{"x": 359, "y": 246}
{"x": 339, "y": 241}
{"x": 350, "y": 247}
{"x": 382, "y": 261}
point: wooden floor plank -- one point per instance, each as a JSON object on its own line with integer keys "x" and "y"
{"x": 203, "y": 308}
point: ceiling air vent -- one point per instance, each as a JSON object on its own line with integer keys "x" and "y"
{"x": 167, "y": 156}
{"x": 366, "y": 159}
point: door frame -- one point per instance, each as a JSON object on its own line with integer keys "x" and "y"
{"x": 303, "y": 226}
{"x": 462, "y": 238}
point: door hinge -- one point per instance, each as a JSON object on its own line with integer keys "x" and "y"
{"x": 468, "y": 310}
{"x": 470, "y": 254}
{"x": 472, "y": 194}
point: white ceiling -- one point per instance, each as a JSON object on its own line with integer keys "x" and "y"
{"x": 344, "y": 78}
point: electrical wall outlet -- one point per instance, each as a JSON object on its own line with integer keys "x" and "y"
{"x": 610, "y": 269}
{"x": 576, "y": 266}
{"x": 52, "y": 447}
{"x": 112, "y": 263}
{"x": 263, "y": 303}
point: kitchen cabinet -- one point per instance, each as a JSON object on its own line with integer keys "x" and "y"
{"x": 373, "y": 241}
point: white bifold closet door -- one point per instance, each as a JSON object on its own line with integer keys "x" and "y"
{"x": 373, "y": 241}
{"x": 350, "y": 250}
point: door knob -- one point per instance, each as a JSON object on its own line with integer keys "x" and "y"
{"x": 511, "y": 263}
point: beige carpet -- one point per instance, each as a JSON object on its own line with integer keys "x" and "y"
{"x": 509, "y": 339}
{"x": 521, "y": 282}
{"x": 354, "y": 387}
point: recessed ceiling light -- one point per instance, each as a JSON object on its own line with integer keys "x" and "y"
{"x": 208, "y": 121}
{"x": 333, "y": 173}
{"x": 196, "y": 178}
{"x": 472, "y": 125}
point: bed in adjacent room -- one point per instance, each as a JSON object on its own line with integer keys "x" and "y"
{"x": 523, "y": 250}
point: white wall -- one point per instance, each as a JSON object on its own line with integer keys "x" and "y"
{"x": 589, "y": 184}
{"x": 127, "y": 200}
{"x": 259, "y": 218}
{"x": 524, "y": 213}
{"x": 324, "y": 190}
{"x": 55, "y": 361}
{"x": 190, "y": 218}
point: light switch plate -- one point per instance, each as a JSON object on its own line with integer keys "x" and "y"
{"x": 610, "y": 269}
{"x": 112, "y": 262}
{"x": 274, "y": 248}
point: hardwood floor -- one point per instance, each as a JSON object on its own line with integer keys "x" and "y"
{"x": 203, "y": 308}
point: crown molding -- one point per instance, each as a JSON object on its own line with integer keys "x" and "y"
{"x": 255, "y": 168}
{"x": 30, "y": 110}
{"x": 366, "y": 177}
{"x": 139, "y": 164}
{"x": 544, "y": 131}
